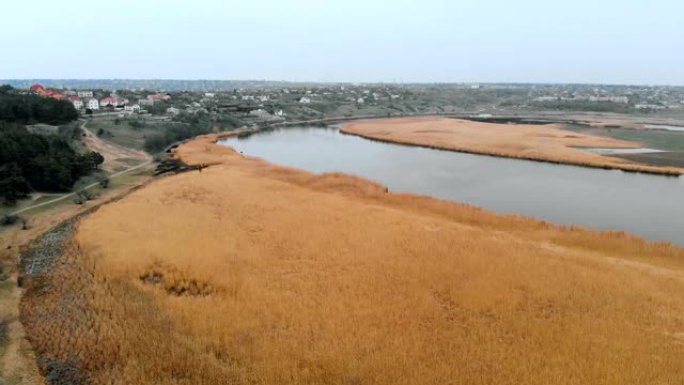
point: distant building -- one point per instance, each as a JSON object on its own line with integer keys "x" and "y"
{"x": 611, "y": 99}
{"x": 159, "y": 97}
{"x": 132, "y": 108}
{"x": 360, "y": 101}
{"x": 546, "y": 99}
{"x": 305, "y": 100}
{"x": 85, "y": 94}
{"x": 172, "y": 111}
{"x": 93, "y": 104}
{"x": 113, "y": 101}
{"x": 37, "y": 88}
{"x": 78, "y": 103}
{"x": 649, "y": 107}
{"x": 107, "y": 102}
{"x": 146, "y": 102}
{"x": 209, "y": 94}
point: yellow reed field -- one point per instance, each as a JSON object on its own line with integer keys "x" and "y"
{"x": 250, "y": 273}
{"x": 547, "y": 143}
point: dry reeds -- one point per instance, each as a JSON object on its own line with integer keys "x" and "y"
{"x": 252, "y": 273}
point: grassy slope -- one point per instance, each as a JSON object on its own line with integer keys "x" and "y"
{"x": 253, "y": 273}
{"x": 123, "y": 133}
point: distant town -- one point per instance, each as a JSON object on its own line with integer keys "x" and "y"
{"x": 256, "y": 102}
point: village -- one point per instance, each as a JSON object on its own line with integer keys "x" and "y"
{"x": 263, "y": 104}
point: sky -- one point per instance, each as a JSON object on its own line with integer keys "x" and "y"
{"x": 550, "y": 41}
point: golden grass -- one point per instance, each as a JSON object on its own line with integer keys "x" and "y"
{"x": 257, "y": 274}
{"x": 547, "y": 143}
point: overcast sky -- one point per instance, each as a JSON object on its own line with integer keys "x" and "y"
{"x": 579, "y": 41}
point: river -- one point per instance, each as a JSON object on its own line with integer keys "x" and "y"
{"x": 650, "y": 206}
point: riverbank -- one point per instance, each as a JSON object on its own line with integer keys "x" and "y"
{"x": 248, "y": 272}
{"x": 545, "y": 143}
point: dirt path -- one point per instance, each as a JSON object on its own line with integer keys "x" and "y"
{"x": 115, "y": 155}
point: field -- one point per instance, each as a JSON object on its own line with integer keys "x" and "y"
{"x": 121, "y": 132}
{"x": 247, "y": 272}
{"x": 548, "y": 143}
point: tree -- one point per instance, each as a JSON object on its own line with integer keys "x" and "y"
{"x": 13, "y": 186}
{"x": 96, "y": 159}
{"x": 104, "y": 182}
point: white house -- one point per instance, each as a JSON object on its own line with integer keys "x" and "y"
{"x": 305, "y": 100}
{"x": 360, "y": 101}
{"x": 172, "y": 111}
{"x": 93, "y": 104}
{"x": 133, "y": 108}
{"x": 209, "y": 94}
{"x": 78, "y": 104}
{"x": 85, "y": 94}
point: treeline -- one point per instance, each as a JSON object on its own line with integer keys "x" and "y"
{"x": 31, "y": 109}
{"x": 38, "y": 162}
{"x": 191, "y": 126}
{"x": 581, "y": 105}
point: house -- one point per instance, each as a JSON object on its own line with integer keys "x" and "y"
{"x": 146, "y": 102}
{"x": 56, "y": 95}
{"x": 132, "y": 108}
{"x": 113, "y": 101}
{"x": 78, "y": 103}
{"x": 209, "y": 94}
{"x": 159, "y": 97}
{"x": 85, "y": 94}
{"x": 37, "y": 88}
{"x": 93, "y": 104}
{"x": 360, "y": 101}
{"x": 305, "y": 100}
{"x": 46, "y": 93}
{"x": 107, "y": 102}
{"x": 172, "y": 111}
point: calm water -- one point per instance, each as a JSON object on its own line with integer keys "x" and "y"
{"x": 646, "y": 205}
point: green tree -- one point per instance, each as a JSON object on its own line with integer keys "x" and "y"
{"x": 12, "y": 184}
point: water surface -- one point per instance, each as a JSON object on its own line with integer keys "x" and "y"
{"x": 651, "y": 206}
{"x": 664, "y": 127}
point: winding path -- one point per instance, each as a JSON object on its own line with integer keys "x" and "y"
{"x": 111, "y": 152}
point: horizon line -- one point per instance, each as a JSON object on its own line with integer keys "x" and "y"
{"x": 357, "y": 82}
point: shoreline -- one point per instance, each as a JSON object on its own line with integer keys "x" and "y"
{"x": 267, "y": 251}
{"x": 348, "y": 129}
{"x": 204, "y": 150}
